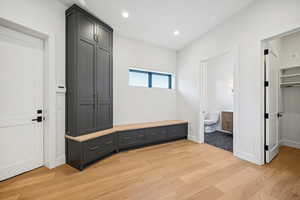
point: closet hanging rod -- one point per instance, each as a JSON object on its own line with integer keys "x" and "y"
{"x": 290, "y": 85}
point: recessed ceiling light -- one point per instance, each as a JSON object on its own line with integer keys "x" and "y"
{"x": 176, "y": 32}
{"x": 82, "y": 2}
{"x": 125, "y": 14}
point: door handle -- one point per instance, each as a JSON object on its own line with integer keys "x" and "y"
{"x": 109, "y": 142}
{"x": 38, "y": 119}
{"x": 94, "y": 148}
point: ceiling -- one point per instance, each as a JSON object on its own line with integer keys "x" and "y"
{"x": 154, "y": 21}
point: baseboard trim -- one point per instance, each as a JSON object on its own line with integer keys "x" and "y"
{"x": 60, "y": 160}
{"x": 248, "y": 157}
{"x": 194, "y": 139}
{"x": 290, "y": 143}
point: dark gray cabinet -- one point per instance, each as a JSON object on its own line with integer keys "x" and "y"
{"x": 158, "y": 134}
{"x": 176, "y": 131}
{"x": 98, "y": 148}
{"x": 104, "y": 89}
{"x": 89, "y": 73}
{"x": 131, "y": 139}
{"x": 80, "y": 154}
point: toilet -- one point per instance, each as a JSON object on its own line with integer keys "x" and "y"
{"x": 211, "y": 122}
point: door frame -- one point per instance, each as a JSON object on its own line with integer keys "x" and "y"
{"x": 49, "y": 90}
{"x": 201, "y": 72}
{"x": 264, "y": 46}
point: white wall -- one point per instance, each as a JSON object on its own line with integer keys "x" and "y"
{"x": 47, "y": 17}
{"x": 220, "y": 84}
{"x": 259, "y": 21}
{"x": 291, "y": 50}
{"x": 138, "y": 104}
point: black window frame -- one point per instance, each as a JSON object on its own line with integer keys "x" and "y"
{"x": 150, "y": 77}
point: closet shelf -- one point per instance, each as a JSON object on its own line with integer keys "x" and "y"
{"x": 290, "y": 75}
{"x": 290, "y": 67}
{"x": 288, "y": 84}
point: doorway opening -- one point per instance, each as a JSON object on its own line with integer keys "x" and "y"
{"x": 217, "y": 109}
{"x": 281, "y": 55}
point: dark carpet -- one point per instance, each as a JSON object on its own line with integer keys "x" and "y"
{"x": 220, "y": 140}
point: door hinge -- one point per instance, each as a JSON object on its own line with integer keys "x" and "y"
{"x": 266, "y": 52}
{"x": 266, "y": 83}
{"x": 266, "y": 147}
{"x": 266, "y": 115}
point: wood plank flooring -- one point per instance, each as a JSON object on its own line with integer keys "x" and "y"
{"x": 180, "y": 170}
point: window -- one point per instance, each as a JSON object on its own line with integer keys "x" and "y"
{"x": 149, "y": 79}
{"x": 138, "y": 78}
{"x": 161, "y": 80}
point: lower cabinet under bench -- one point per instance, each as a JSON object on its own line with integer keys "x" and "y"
{"x": 84, "y": 150}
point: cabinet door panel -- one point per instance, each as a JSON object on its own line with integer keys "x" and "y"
{"x": 86, "y": 28}
{"x": 86, "y": 119}
{"x": 104, "y": 116}
{"x": 156, "y": 134}
{"x": 104, "y": 38}
{"x": 177, "y": 131}
{"x": 98, "y": 147}
{"x": 227, "y": 121}
{"x": 128, "y": 139}
{"x": 104, "y": 75}
{"x": 86, "y": 87}
{"x": 104, "y": 89}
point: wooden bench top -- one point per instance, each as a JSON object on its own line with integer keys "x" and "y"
{"x": 127, "y": 127}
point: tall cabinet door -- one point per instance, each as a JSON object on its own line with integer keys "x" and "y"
{"x": 104, "y": 89}
{"x": 86, "y": 55}
{"x": 105, "y": 38}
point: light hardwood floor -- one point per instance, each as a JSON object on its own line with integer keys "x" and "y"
{"x": 176, "y": 170}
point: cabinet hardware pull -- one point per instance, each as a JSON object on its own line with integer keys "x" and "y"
{"x": 94, "y": 148}
{"x": 110, "y": 142}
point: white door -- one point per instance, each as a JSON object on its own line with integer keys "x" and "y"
{"x": 272, "y": 106}
{"x": 21, "y": 86}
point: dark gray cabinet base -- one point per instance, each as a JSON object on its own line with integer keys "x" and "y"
{"x": 81, "y": 154}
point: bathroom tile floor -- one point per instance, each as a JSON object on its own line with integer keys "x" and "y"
{"x": 220, "y": 140}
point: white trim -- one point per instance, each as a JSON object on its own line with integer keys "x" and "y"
{"x": 193, "y": 138}
{"x": 290, "y": 143}
{"x": 248, "y": 157}
{"x": 263, "y": 42}
{"x": 261, "y": 141}
{"x": 49, "y": 88}
{"x": 236, "y": 101}
{"x": 60, "y": 160}
{"x": 272, "y": 153}
{"x": 201, "y": 85}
